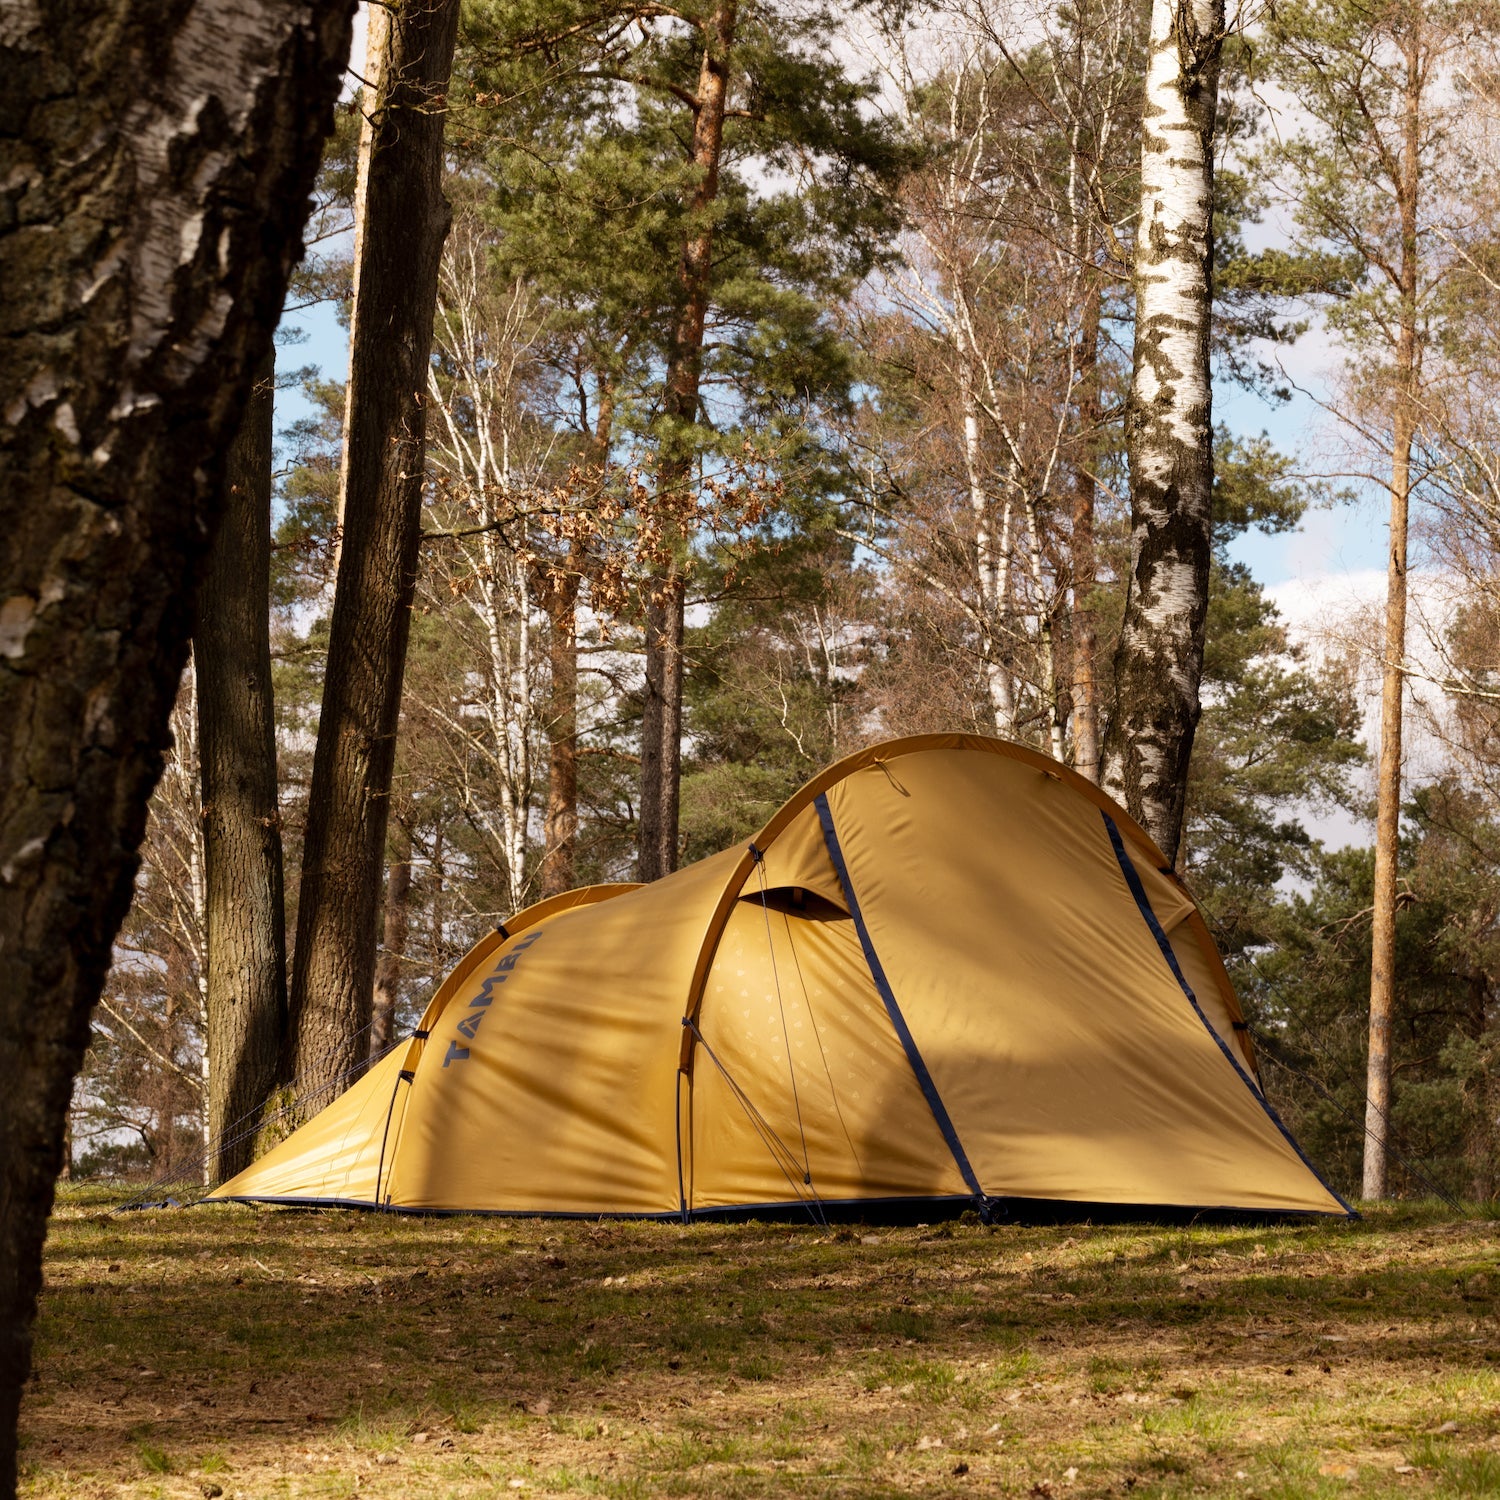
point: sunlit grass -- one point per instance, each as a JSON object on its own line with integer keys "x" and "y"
{"x": 277, "y": 1353}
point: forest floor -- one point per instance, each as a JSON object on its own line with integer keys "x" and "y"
{"x": 239, "y": 1352}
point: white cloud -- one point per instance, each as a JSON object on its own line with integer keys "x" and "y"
{"x": 1339, "y": 609}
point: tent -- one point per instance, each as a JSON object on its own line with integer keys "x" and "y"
{"x": 948, "y": 971}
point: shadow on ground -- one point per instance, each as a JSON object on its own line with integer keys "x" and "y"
{"x": 277, "y": 1352}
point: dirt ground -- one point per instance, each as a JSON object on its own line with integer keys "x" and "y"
{"x": 226, "y": 1351}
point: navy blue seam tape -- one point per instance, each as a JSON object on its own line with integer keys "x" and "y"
{"x": 888, "y": 998}
{"x": 1133, "y": 880}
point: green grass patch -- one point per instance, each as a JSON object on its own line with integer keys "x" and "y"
{"x": 341, "y": 1354}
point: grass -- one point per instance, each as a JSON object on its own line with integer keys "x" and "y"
{"x": 287, "y": 1353}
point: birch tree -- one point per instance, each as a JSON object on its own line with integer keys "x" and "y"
{"x": 517, "y": 530}
{"x": 1004, "y": 274}
{"x": 157, "y": 169}
{"x": 1081, "y": 66}
{"x": 953, "y": 273}
{"x": 1159, "y": 658}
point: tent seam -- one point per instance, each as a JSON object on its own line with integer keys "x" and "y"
{"x": 840, "y": 771}
{"x": 893, "y": 1009}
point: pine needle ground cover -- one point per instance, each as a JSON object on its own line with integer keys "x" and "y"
{"x": 234, "y": 1352}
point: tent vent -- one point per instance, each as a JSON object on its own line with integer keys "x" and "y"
{"x": 798, "y": 901}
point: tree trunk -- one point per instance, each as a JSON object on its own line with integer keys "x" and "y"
{"x": 661, "y": 720}
{"x": 661, "y": 730}
{"x": 1393, "y": 676}
{"x": 1159, "y": 661}
{"x": 1046, "y": 649}
{"x": 559, "y": 862}
{"x": 377, "y": 34}
{"x": 991, "y": 560}
{"x": 561, "y": 828}
{"x": 1387, "y": 824}
{"x": 156, "y": 167}
{"x": 1083, "y": 557}
{"x": 244, "y": 924}
{"x": 437, "y": 875}
{"x": 406, "y": 222}
{"x": 393, "y": 947}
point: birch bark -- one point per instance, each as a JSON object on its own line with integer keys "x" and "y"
{"x": 1159, "y": 660}
{"x": 992, "y": 557}
{"x": 155, "y": 170}
{"x": 1083, "y": 557}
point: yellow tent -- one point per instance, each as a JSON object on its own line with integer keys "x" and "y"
{"x": 948, "y": 969}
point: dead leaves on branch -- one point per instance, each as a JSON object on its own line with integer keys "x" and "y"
{"x": 617, "y": 529}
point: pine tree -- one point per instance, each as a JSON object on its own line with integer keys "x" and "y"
{"x": 404, "y": 224}
{"x": 720, "y": 94}
{"x": 245, "y": 991}
{"x": 1374, "y": 88}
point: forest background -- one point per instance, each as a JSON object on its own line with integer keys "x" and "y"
{"x": 908, "y": 506}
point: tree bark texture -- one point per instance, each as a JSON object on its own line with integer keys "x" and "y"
{"x": 661, "y": 719}
{"x": 406, "y": 222}
{"x": 1387, "y": 827}
{"x": 392, "y": 947}
{"x": 1159, "y": 661}
{"x": 377, "y": 34}
{"x": 244, "y": 909}
{"x": 561, "y": 827}
{"x": 992, "y": 558}
{"x": 1083, "y": 556}
{"x": 155, "y": 169}
{"x": 1393, "y": 665}
{"x": 661, "y": 729}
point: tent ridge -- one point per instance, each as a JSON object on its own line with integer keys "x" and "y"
{"x": 875, "y": 755}
{"x": 1143, "y": 903}
{"x": 892, "y": 1007}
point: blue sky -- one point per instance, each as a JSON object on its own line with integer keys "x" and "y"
{"x": 1344, "y": 541}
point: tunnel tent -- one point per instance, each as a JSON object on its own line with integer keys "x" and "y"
{"x": 948, "y": 971}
